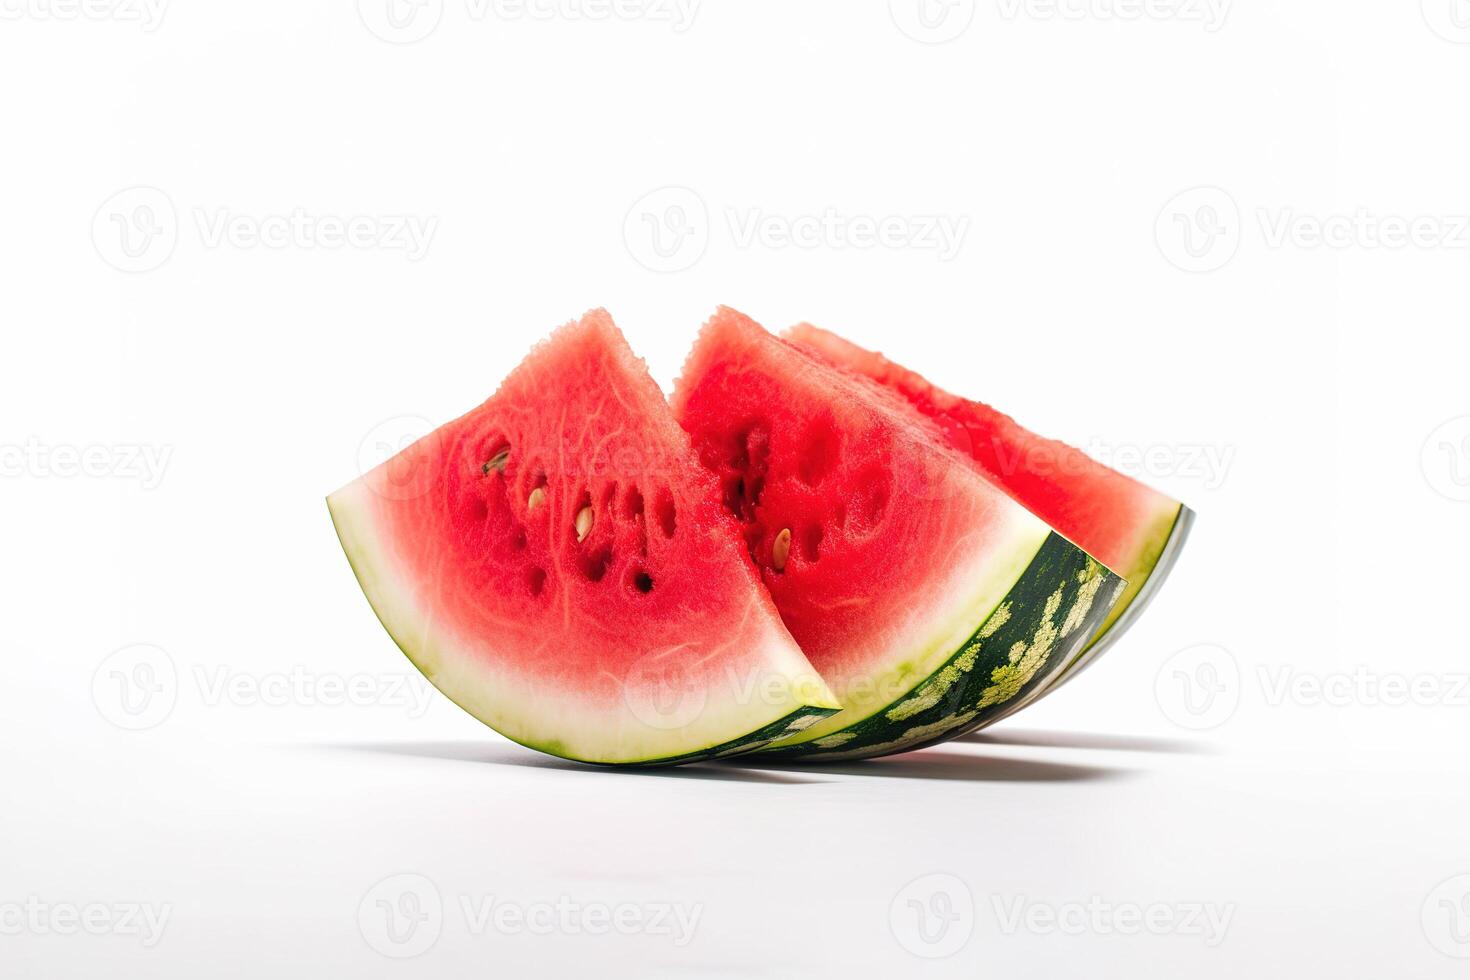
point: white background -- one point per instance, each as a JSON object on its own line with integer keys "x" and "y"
{"x": 1306, "y": 397}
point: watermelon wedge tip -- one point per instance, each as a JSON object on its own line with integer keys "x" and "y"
{"x": 556, "y": 562}
{"x": 1133, "y": 529}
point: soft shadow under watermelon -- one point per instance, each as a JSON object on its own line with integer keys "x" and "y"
{"x": 488, "y": 753}
{"x": 943, "y": 764}
{"x": 1040, "y": 738}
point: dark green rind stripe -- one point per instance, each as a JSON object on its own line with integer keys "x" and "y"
{"x": 1046, "y": 618}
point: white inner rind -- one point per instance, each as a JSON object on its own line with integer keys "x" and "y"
{"x": 647, "y": 724}
{"x": 940, "y": 621}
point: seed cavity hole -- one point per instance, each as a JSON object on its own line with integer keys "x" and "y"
{"x": 821, "y": 450}
{"x": 594, "y": 564}
{"x": 498, "y": 460}
{"x": 735, "y": 497}
{"x": 633, "y": 503}
{"x": 640, "y": 581}
{"x": 536, "y": 580}
{"x": 663, "y": 511}
{"x": 811, "y": 543}
{"x": 539, "y": 482}
{"x": 869, "y": 501}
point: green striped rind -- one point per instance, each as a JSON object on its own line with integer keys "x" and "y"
{"x": 1164, "y": 552}
{"x": 1047, "y": 617}
{"x": 793, "y": 723}
{"x": 1161, "y": 564}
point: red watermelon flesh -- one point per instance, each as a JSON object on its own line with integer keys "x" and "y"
{"x": 887, "y": 554}
{"x": 1115, "y": 518}
{"x": 558, "y": 564}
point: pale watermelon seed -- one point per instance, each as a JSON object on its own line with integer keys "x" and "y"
{"x": 781, "y": 549}
{"x": 584, "y": 523}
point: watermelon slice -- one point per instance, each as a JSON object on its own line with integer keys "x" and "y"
{"x": 928, "y": 599}
{"x": 558, "y": 564}
{"x": 1134, "y": 530}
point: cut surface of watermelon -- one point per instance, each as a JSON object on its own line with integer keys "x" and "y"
{"x": 1134, "y": 530}
{"x": 928, "y": 599}
{"x": 557, "y": 563}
